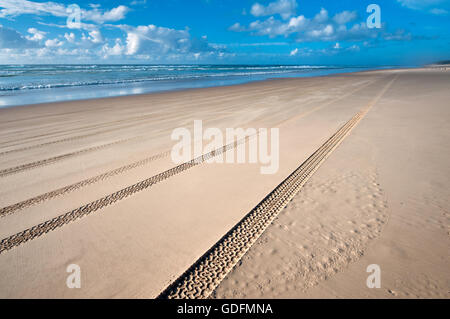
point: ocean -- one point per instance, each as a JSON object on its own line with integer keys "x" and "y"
{"x": 31, "y": 84}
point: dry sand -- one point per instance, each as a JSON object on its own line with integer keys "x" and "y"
{"x": 381, "y": 197}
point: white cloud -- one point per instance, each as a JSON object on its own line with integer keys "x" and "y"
{"x": 92, "y": 40}
{"x": 345, "y": 17}
{"x": 13, "y": 8}
{"x": 294, "y": 52}
{"x": 329, "y": 51}
{"x": 95, "y": 36}
{"x": 398, "y": 35}
{"x": 322, "y": 33}
{"x": 419, "y": 4}
{"x": 319, "y": 28}
{"x": 116, "y": 50}
{"x": 98, "y": 16}
{"x": 138, "y": 2}
{"x": 285, "y": 8}
{"x": 236, "y": 27}
{"x": 259, "y": 44}
{"x": 297, "y": 22}
{"x": 437, "y": 7}
{"x": 438, "y": 11}
{"x": 36, "y": 35}
{"x": 133, "y": 43}
{"x": 156, "y": 40}
{"x": 81, "y": 26}
{"x": 322, "y": 16}
{"x": 53, "y": 43}
{"x": 70, "y": 37}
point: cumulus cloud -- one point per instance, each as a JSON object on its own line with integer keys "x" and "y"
{"x": 322, "y": 16}
{"x": 285, "y": 8}
{"x": 53, "y": 43}
{"x": 321, "y": 27}
{"x": 116, "y": 50}
{"x": 13, "y": 8}
{"x": 99, "y": 16}
{"x": 148, "y": 42}
{"x": 36, "y": 35}
{"x": 93, "y": 39}
{"x": 156, "y": 40}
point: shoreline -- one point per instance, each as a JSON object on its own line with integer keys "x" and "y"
{"x": 244, "y": 82}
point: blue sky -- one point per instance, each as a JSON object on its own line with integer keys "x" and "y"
{"x": 224, "y": 31}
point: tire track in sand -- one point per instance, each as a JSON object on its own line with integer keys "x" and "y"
{"x": 200, "y": 280}
{"x": 68, "y": 139}
{"x": 11, "y": 209}
{"x": 61, "y": 220}
{"x": 47, "y": 161}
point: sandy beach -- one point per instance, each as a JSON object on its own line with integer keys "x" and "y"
{"x": 92, "y": 183}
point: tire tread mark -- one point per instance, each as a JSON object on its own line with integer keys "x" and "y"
{"x": 200, "y": 280}
{"x": 68, "y": 139}
{"x": 47, "y": 161}
{"x": 9, "y": 210}
{"x": 61, "y": 220}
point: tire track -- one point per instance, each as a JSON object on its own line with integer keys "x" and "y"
{"x": 200, "y": 280}
{"x": 359, "y": 88}
{"x": 143, "y": 120}
{"x": 61, "y": 220}
{"x": 102, "y": 202}
{"x": 68, "y": 139}
{"x": 106, "y": 124}
{"x": 9, "y": 210}
{"x": 74, "y": 138}
{"x": 47, "y": 161}
{"x": 63, "y": 132}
